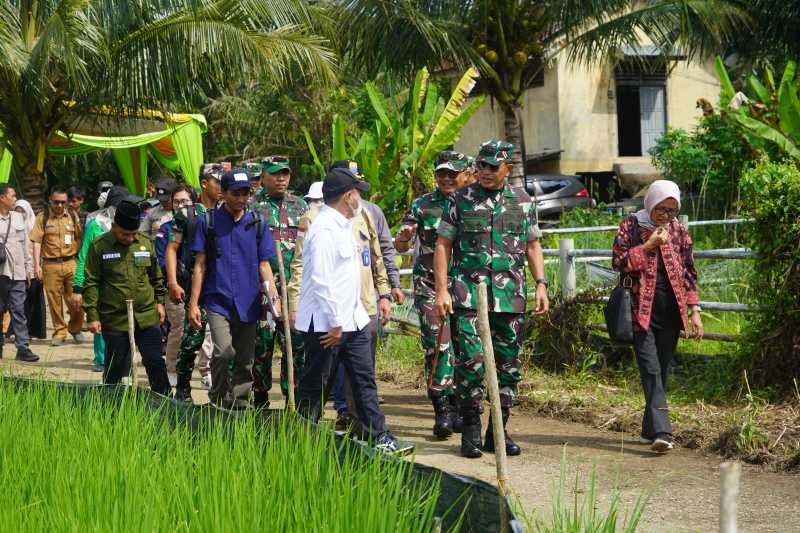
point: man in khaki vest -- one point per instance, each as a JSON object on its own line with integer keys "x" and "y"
{"x": 56, "y": 240}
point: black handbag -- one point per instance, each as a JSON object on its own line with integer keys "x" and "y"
{"x": 619, "y": 312}
{"x": 3, "y": 251}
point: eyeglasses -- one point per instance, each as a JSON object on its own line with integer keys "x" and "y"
{"x": 484, "y": 165}
{"x": 58, "y": 202}
{"x": 182, "y": 202}
{"x": 666, "y": 211}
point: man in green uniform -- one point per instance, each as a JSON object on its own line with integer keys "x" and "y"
{"x": 282, "y": 211}
{"x": 179, "y": 263}
{"x": 420, "y": 227}
{"x": 490, "y": 228}
{"x": 121, "y": 265}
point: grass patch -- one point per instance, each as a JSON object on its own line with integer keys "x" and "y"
{"x": 88, "y": 465}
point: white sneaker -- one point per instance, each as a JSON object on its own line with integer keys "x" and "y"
{"x": 661, "y": 445}
{"x": 173, "y": 378}
{"x": 205, "y": 381}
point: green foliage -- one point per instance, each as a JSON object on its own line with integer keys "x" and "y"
{"x": 708, "y": 161}
{"x": 770, "y": 115}
{"x": 771, "y": 195}
{"x": 397, "y": 151}
{"x": 128, "y": 467}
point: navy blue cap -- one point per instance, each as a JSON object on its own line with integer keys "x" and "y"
{"x": 235, "y": 179}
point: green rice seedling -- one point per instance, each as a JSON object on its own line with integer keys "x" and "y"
{"x": 73, "y": 461}
{"x": 581, "y": 513}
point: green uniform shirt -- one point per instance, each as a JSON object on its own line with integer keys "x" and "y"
{"x": 426, "y": 212}
{"x": 490, "y": 231}
{"x": 115, "y": 273}
{"x": 283, "y": 217}
{"x": 180, "y": 224}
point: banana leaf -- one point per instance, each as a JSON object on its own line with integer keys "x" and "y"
{"x": 414, "y": 103}
{"x": 728, "y": 91}
{"x": 788, "y": 76}
{"x": 338, "y": 151}
{"x": 789, "y": 110}
{"x": 757, "y": 89}
{"x": 378, "y": 103}
{"x": 768, "y": 133}
{"x": 314, "y": 156}
{"x": 457, "y": 100}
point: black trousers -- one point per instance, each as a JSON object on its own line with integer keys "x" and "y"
{"x": 118, "y": 357}
{"x": 354, "y": 353}
{"x": 655, "y": 349}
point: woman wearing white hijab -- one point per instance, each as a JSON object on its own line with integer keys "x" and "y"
{"x": 655, "y": 251}
{"x": 34, "y": 301}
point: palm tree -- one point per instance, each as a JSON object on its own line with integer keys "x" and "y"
{"x": 61, "y": 58}
{"x": 511, "y": 41}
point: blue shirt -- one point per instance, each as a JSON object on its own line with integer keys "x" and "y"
{"x": 232, "y": 280}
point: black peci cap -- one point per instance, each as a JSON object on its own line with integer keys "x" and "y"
{"x": 127, "y": 215}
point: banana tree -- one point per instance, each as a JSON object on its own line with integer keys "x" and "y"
{"x": 769, "y": 113}
{"x": 397, "y": 152}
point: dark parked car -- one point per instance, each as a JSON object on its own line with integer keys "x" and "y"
{"x": 554, "y": 193}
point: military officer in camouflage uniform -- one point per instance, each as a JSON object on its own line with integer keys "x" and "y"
{"x": 282, "y": 211}
{"x": 490, "y": 228}
{"x": 419, "y": 229}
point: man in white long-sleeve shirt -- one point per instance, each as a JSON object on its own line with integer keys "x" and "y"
{"x": 330, "y": 312}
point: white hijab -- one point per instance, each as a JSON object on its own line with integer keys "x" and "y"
{"x": 30, "y": 217}
{"x": 659, "y": 191}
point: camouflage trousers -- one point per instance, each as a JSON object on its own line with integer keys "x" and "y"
{"x": 430, "y": 323}
{"x": 262, "y": 363}
{"x": 191, "y": 342}
{"x": 506, "y": 338}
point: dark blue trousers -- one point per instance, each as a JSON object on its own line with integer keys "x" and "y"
{"x": 354, "y": 354}
{"x": 118, "y": 357}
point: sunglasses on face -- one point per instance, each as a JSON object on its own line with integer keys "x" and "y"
{"x": 58, "y": 202}
{"x": 446, "y": 175}
{"x": 668, "y": 211}
{"x": 483, "y": 165}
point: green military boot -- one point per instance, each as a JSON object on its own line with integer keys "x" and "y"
{"x": 511, "y": 447}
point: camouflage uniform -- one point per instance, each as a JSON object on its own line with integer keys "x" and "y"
{"x": 192, "y": 339}
{"x": 426, "y": 212}
{"x": 283, "y": 216}
{"x": 490, "y": 231}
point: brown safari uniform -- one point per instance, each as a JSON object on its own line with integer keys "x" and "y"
{"x": 60, "y": 242}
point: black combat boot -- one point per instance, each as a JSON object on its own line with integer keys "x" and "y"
{"x": 260, "y": 399}
{"x": 458, "y": 422}
{"x": 471, "y": 434}
{"x": 443, "y": 426}
{"x": 511, "y": 447}
{"x": 183, "y": 390}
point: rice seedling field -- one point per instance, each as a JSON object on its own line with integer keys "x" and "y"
{"x": 100, "y": 461}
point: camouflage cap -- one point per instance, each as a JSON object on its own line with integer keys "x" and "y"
{"x": 449, "y": 160}
{"x": 253, "y": 170}
{"x": 215, "y": 170}
{"x": 275, "y": 163}
{"x": 495, "y": 152}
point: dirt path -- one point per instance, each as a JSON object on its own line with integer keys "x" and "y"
{"x": 684, "y": 483}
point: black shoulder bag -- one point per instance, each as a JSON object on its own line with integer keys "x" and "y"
{"x": 619, "y": 309}
{"x": 3, "y": 251}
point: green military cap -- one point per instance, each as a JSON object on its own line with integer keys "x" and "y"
{"x": 449, "y": 160}
{"x": 275, "y": 163}
{"x": 253, "y": 170}
{"x": 495, "y": 152}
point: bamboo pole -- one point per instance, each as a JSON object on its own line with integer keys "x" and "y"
{"x": 132, "y": 340}
{"x": 287, "y": 331}
{"x": 728, "y": 496}
{"x": 490, "y": 375}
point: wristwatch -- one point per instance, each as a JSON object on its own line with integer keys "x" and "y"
{"x": 542, "y": 281}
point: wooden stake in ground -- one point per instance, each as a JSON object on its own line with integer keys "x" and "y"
{"x": 490, "y": 375}
{"x": 728, "y": 496}
{"x": 436, "y": 352}
{"x": 132, "y": 340}
{"x": 287, "y": 330}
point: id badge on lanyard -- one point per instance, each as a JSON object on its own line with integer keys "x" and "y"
{"x": 365, "y": 257}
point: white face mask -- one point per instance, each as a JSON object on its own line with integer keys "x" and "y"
{"x": 101, "y": 200}
{"x": 356, "y": 209}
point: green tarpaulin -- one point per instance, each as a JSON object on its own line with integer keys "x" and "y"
{"x": 176, "y": 141}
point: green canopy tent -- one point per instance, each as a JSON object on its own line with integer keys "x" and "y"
{"x": 175, "y": 140}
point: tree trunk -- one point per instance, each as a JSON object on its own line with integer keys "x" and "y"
{"x": 32, "y": 186}
{"x": 513, "y": 135}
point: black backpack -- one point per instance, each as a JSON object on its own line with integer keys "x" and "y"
{"x": 211, "y": 238}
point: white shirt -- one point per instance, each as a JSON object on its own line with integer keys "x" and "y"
{"x": 19, "y": 260}
{"x": 330, "y": 292}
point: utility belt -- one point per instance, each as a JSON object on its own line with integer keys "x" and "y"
{"x": 58, "y": 259}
